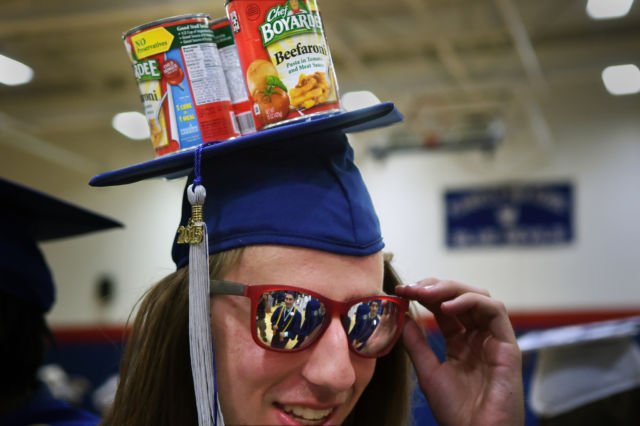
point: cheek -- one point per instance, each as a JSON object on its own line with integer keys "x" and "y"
{"x": 241, "y": 365}
{"x": 364, "y": 368}
{"x": 231, "y": 330}
{"x": 234, "y": 354}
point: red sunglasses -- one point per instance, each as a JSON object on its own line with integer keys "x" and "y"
{"x": 291, "y": 319}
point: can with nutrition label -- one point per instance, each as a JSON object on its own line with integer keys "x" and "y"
{"x": 223, "y": 37}
{"x": 182, "y": 85}
{"x": 285, "y": 58}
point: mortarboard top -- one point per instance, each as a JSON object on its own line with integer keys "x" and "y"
{"x": 580, "y": 364}
{"x": 32, "y": 217}
{"x": 181, "y": 163}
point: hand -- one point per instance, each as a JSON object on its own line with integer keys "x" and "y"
{"x": 480, "y": 381}
{"x": 383, "y": 332}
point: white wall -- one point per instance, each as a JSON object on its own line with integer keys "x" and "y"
{"x": 597, "y": 149}
{"x": 134, "y": 257}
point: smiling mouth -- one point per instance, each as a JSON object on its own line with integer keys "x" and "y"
{"x": 305, "y": 415}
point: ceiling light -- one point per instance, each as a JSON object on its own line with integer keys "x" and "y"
{"x": 622, "y": 79}
{"x": 132, "y": 124}
{"x": 358, "y": 99}
{"x": 607, "y": 9}
{"x": 13, "y": 73}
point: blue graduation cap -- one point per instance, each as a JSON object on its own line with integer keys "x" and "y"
{"x": 294, "y": 184}
{"x": 32, "y": 217}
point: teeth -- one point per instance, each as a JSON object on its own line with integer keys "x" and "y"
{"x": 307, "y": 413}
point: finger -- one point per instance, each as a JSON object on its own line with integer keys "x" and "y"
{"x": 422, "y": 356}
{"x": 483, "y": 313}
{"x": 432, "y": 290}
{"x": 422, "y": 293}
{"x": 426, "y": 282}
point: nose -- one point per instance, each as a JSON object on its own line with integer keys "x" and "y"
{"x": 329, "y": 365}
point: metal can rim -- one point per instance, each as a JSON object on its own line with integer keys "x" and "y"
{"x": 218, "y": 20}
{"x": 162, "y": 21}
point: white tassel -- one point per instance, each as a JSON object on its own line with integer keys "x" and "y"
{"x": 219, "y": 419}
{"x": 200, "y": 340}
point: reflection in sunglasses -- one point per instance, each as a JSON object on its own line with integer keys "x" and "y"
{"x": 292, "y": 319}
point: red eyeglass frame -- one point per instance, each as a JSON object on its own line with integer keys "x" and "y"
{"x": 333, "y": 308}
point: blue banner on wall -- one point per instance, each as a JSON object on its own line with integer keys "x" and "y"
{"x": 514, "y": 215}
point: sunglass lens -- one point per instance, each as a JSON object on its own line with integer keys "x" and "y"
{"x": 373, "y": 326}
{"x": 288, "y": 320}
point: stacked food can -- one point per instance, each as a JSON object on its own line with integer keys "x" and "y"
{"x": 203, "y": 80}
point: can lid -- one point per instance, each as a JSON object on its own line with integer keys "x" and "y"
{"x": 161, "y": 22}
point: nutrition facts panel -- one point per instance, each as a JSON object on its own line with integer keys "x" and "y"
{"x": 235, "y": 79}
{"x": 205, "y": 72}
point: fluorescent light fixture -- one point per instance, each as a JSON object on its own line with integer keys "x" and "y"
{"x": 14, "y": 73}
{"x": 132, "y": 124}
{"x": 358, "y": 99}
{"x": 608, "y": 9}
{"x": 622, "y": 79}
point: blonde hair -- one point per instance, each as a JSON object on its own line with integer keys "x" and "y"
{"x": 156, "y": 387}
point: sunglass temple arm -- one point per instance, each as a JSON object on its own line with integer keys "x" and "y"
{"x": 226, "y": 287}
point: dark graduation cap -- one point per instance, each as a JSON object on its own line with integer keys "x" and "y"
{"x": 31, "y": 217}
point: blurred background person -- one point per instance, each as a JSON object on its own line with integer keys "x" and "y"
{"x": 27, "y": 293}
{"x": 285, "y": 322}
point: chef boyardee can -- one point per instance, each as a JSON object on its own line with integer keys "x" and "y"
{"x": 182, "y": 85}
{"x": 285, "y": 58}
{"x": 240, "y": 101}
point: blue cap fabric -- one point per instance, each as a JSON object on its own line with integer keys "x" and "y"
{"x": 34, "y": 217}
{"x": 301, "y": 192}
{"x": 295, "y": 184}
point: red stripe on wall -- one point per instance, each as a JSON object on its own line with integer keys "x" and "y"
{"x": 90, "y": 334}
{"x": 521, "y": 320}
{"x": 546, "y": 319}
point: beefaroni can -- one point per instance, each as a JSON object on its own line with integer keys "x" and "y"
{"x": 182, "y": 85}
{"x": 242, "y": 105}
{"x": 285, "y": 59}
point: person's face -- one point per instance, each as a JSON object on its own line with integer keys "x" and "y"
{"x": 288, "y": 300}
{"x": 319, "y": 385}
{"x": 374, "y": 309}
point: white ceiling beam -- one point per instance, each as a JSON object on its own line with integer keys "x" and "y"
{"x": 341, "y": 48}
{"x": 522, "y": 44}
{"x": 12, "y": 135}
